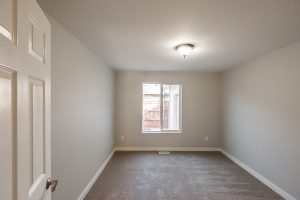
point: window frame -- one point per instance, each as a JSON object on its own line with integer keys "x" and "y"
{"x": 162, "y": 131}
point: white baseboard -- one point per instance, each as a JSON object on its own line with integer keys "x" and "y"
{"x": 91, "y": 183}
{"x": 263, "y": 179}
{"x": 167, "y": 149}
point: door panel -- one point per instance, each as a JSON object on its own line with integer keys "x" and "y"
{"x": 37, "y": 129}
{"x": 7, "y": 135}
{"x": 37, "y": 40}
{"x": 38, "y": 176}
{"x": 7, "y": 18}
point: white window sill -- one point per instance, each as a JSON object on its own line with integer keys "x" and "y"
{"x": 161, "y": 132}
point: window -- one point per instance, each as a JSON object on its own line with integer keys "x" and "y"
{"x": 161, "y": 108}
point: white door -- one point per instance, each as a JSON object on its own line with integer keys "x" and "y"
{"x": 25, "y": 146}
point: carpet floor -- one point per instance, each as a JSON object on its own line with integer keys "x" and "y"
{"x": 178, "y": 176}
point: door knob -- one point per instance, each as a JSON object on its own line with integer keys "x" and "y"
{"x": 52, "y": 184}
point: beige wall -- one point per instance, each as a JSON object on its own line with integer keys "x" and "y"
{"x": 201, "y": 109}
{"x": 82, "y": 112}
{"x": 262, "y": 116}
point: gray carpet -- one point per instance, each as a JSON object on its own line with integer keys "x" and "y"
{"x": 178, "y": 176}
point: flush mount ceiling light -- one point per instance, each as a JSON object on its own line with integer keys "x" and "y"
{"x": 184, "y": 49}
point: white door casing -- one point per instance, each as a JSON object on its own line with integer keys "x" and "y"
{"x": 25, "y": 146}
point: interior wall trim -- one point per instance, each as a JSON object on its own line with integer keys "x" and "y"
{"x": 260, "y": 177}
{"x": 93, "y": 180}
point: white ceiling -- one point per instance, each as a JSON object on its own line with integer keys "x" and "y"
{"x": 142, "y": 34}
